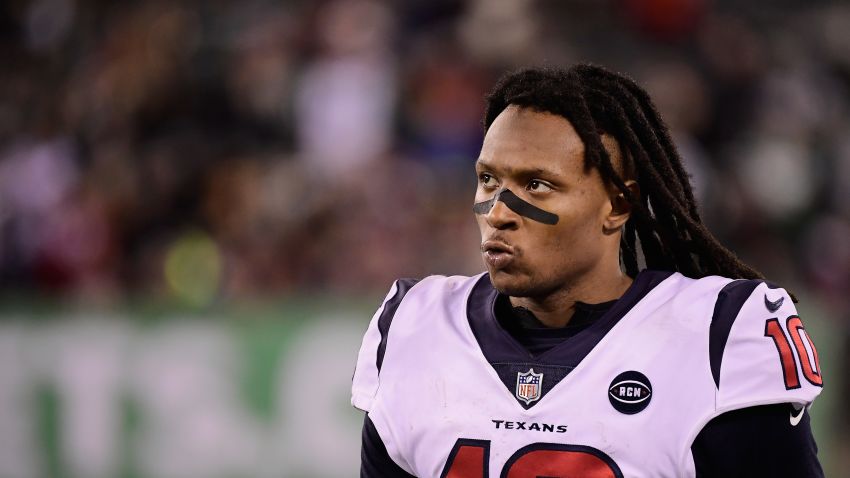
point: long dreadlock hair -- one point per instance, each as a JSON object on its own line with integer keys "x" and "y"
{"x": 665, "y": 218}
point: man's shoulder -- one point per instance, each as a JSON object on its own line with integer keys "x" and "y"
{"x": 682, "y": 284}
{"x": 432, "y": 286}
{"x": 758, "y": 349}
{"x": 727, "y": 295}
{"x": 689, "y": 300}
{"x": 449, "y": 282}
{"x": 724, "y": 304}
{"x": 406, "y": 316}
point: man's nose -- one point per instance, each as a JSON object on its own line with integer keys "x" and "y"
{"x": 502, "y": 217}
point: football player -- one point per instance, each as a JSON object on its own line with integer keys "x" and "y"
{"x": 567, "y": 358}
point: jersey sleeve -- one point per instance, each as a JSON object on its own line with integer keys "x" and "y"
{"x": 757, "y": 441}
{"x": 760, "y": 351}
{"x": 366, "y": 379}
{"x": 375, "y": 461}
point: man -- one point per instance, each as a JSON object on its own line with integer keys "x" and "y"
{"x": 565, "y": 359}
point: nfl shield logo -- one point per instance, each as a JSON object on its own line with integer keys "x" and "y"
{"x": 528, "y": 386}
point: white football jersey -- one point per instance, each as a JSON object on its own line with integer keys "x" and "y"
{"x": 452, "y": 394}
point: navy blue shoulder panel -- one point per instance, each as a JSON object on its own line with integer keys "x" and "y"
{"x": 386, "y": 318}
{"x": 730, "y": 300}
{"x": 375, "y": 461}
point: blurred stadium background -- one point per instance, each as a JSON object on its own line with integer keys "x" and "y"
{"x": 202, "y": 202}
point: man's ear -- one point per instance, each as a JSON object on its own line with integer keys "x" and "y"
{"x": 621, "y": 208}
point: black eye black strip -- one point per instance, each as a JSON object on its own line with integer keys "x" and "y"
{"x": 516, "y": 205}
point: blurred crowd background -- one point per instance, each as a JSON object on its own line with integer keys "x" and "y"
{"x": 211, "y": 152}
{"x": 325, "y": 146}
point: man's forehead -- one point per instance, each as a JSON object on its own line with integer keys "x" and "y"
{"x": 525, "y": 128}
{"x": 522, "y": 157}
{"x": 515, "y": 165}
{"x": 524, "y": 140}
{"x": 527, "y": 140}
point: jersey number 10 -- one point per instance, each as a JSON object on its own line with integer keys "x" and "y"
{"x": 471, "y": 458}
{"x": 811, "y": 370}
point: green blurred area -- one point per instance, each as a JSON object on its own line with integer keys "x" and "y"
{"x": 829, "y": 341}
{"x": 266, "y": 348}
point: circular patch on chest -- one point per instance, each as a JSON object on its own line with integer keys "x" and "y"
{"x": 630, "y": 392}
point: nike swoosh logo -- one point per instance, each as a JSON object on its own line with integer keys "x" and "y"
{"x": 796, "y": 419}
{"x": 773, "y": 305}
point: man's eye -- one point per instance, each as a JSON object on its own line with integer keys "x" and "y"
{"x": 538, "y": 186}
{"x": 487, "y": 180}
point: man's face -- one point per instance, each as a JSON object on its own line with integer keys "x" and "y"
{"x": 540, "y": 158}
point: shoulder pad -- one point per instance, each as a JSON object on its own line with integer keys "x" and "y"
{"x": 759, "y": 350}
{"x": 365, "y": 381}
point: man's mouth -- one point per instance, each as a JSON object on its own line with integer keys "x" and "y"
{"x": 497, "y": 254}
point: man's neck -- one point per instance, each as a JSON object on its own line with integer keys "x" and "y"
{"x": 557, "y": 309}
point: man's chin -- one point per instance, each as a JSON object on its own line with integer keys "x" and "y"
{"x": 510, "y": 283}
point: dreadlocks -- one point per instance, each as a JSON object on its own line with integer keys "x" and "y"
{"x": 665, "y": 218}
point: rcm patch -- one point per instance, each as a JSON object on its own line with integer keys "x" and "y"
{"x": 630, "y": 392}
